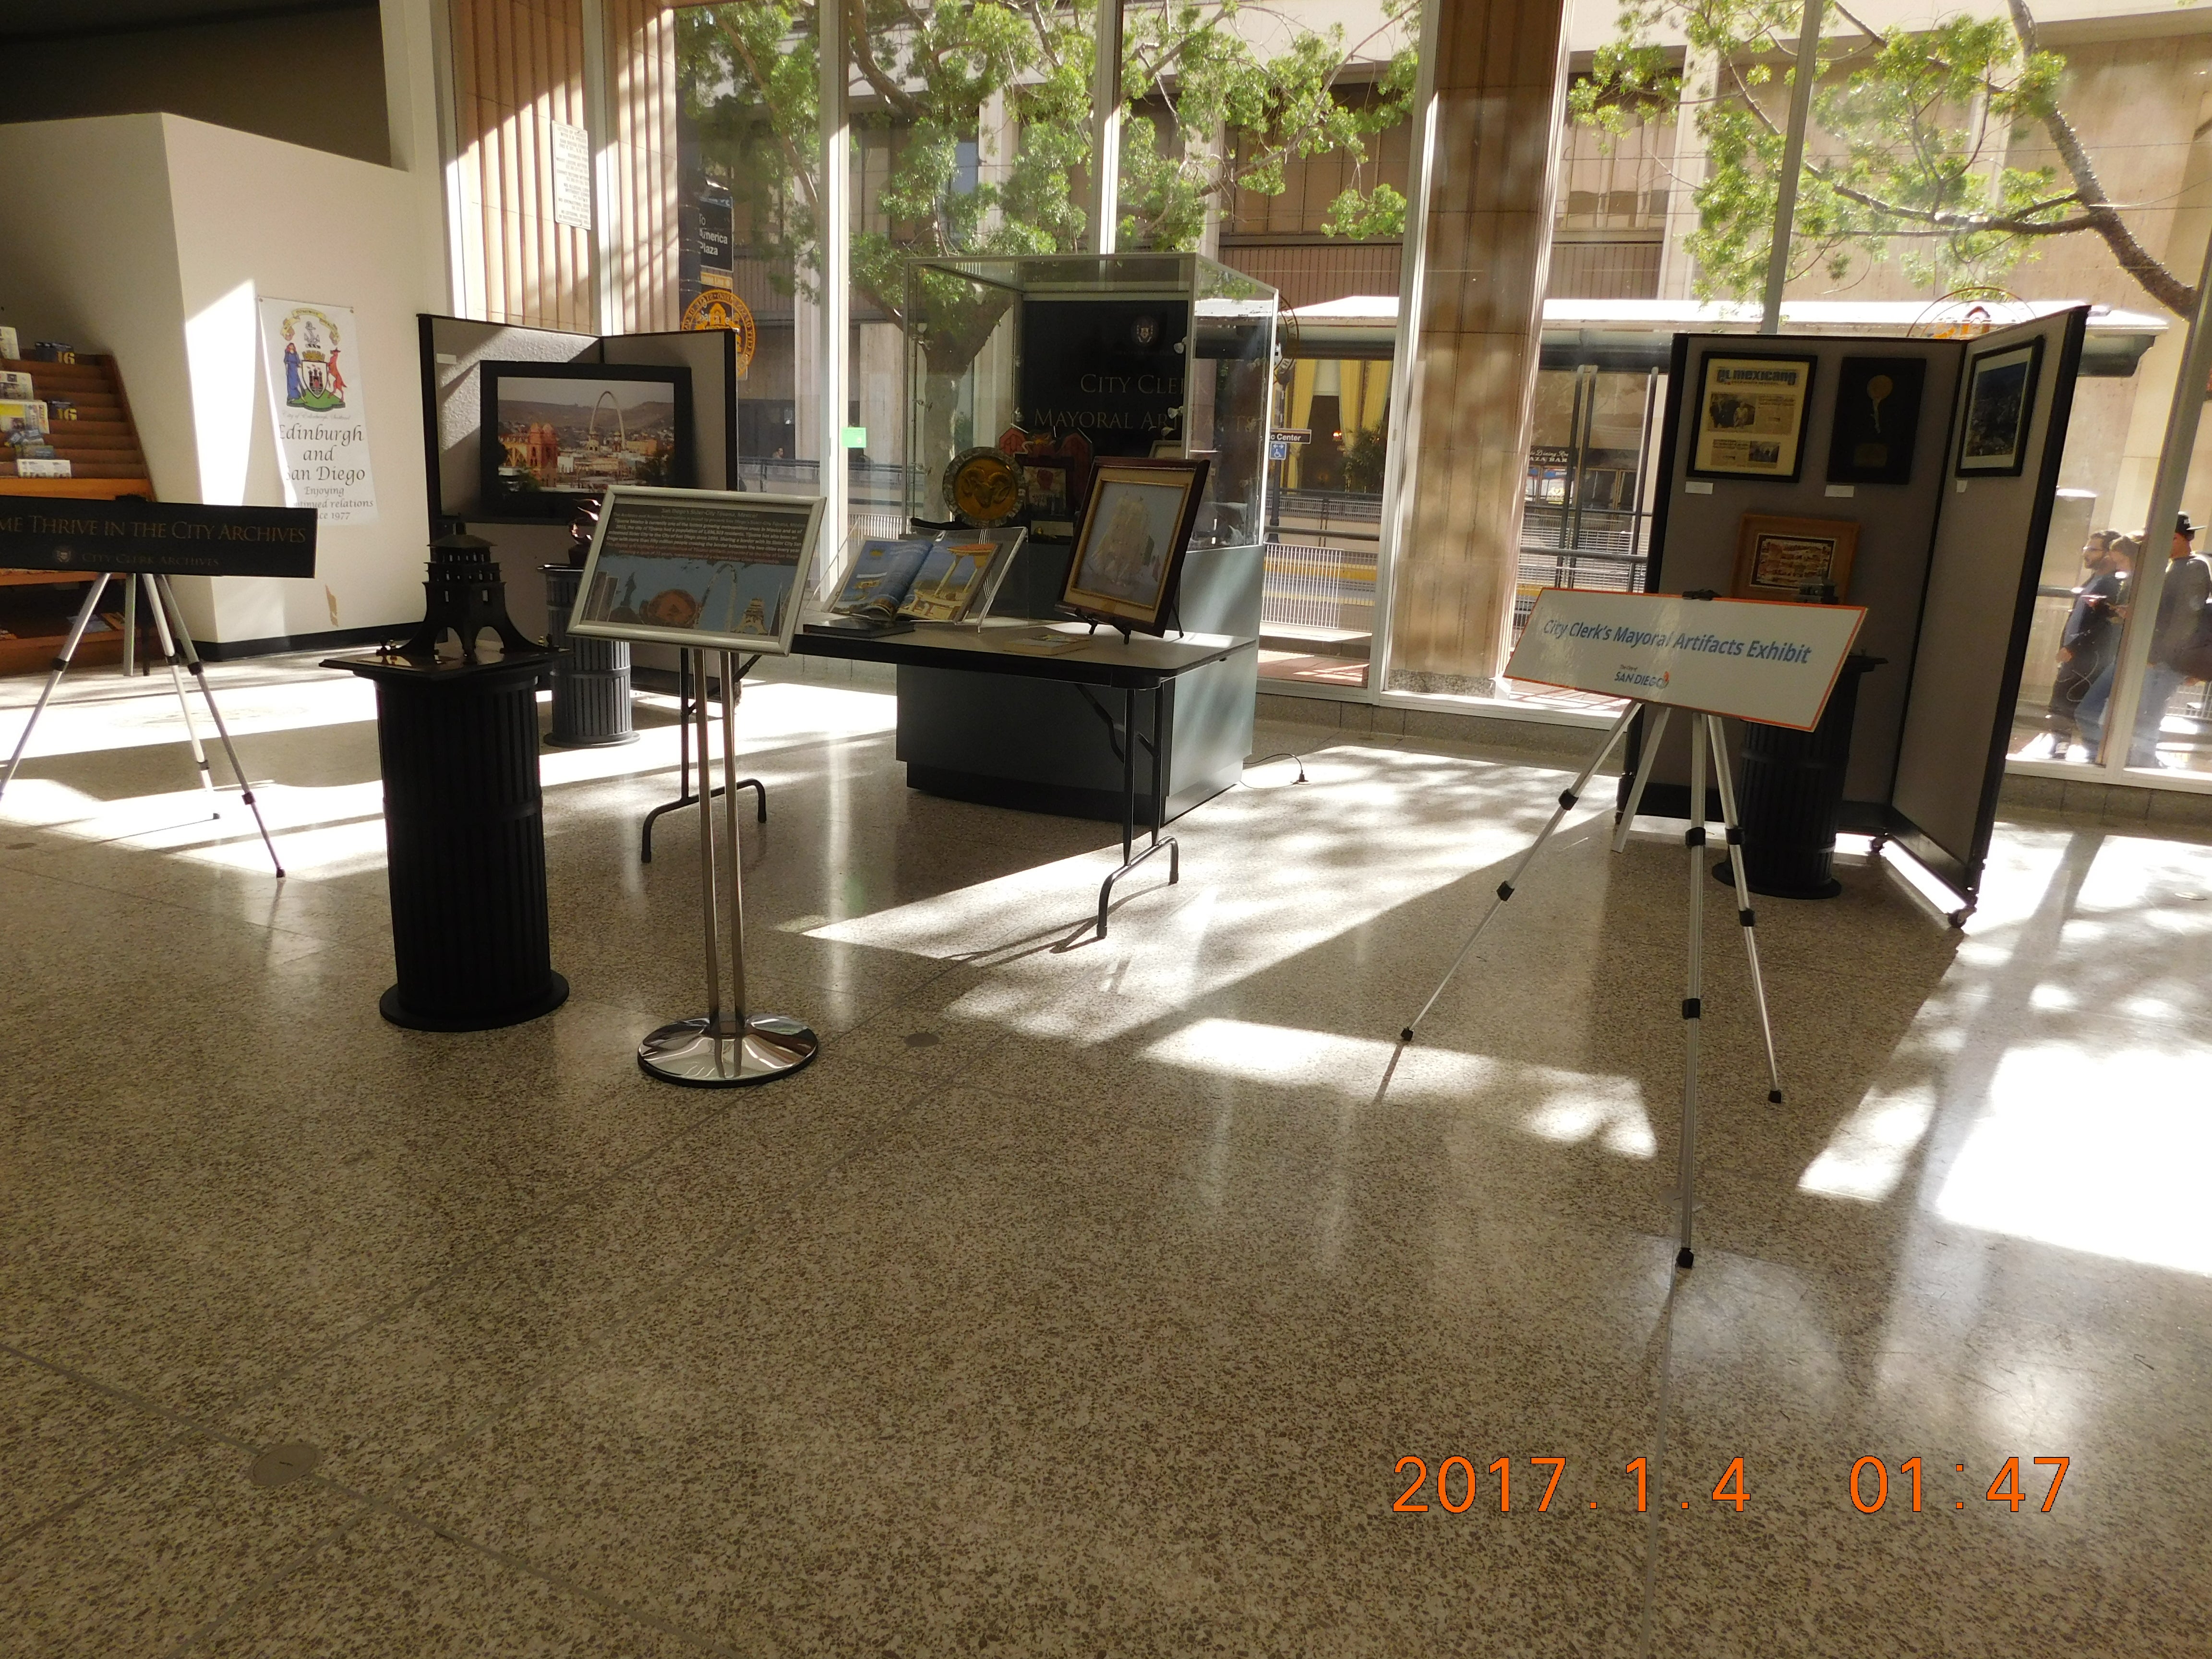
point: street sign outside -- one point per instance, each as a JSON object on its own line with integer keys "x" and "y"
{"x": 1753, "y": 659}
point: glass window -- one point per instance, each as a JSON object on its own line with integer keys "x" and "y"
{"x": 2096, "y": 137}
{"x": 748, "y": 154}
{"x": 1282, "y": 151}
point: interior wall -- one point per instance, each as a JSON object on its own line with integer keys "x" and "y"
{"x": 90, "y": 257}
{"x": 156, "y": 242}
{"x": 312, "y": 78}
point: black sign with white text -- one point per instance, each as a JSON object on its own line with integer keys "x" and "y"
{"x": 169, "y": 538}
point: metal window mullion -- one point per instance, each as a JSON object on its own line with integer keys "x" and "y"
{"x": 2149, "y": 582}
{"x": 1106, "y": 127}
{"x": 836, "y": 223}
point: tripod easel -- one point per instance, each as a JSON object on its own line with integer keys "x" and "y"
{"x": 182, "y": 657}
{"x": 1704, "y": 730}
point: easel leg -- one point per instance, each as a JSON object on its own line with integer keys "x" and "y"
{"x": 54, "y": 678}
{"x": 177, "y": 682}
{"x": 165, "y": 599}
{"x": 1644, "y": 764}
{"x": 1567, "y": 799}
{"x": 1692, "y": 999}
{"x": 1743, "y": 910}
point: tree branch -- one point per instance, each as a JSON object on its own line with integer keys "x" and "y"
{"x": 2133, "y": 258}
{"x": 791, "y": 158}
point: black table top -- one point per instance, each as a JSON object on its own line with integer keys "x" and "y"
{"x": 443, "y": 671}
{"x": 1143, "y": 664}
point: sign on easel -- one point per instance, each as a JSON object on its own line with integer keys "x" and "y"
{"x": 1753, "y": 660}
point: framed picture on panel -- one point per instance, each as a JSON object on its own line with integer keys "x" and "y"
{"x": 1776, "y": 556}
{"x": 2000, "y": 407}
{"x": 1750, "y": 417}
{"x": 1129, "y": 553}
{"x": 1877, "y": 419}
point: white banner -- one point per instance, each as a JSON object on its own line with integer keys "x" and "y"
{"x": 322, "y": 431}
{"x": 1752, "y": 658}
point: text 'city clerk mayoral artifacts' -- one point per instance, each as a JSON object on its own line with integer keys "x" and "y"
{"x": 1754, "y": 660}
{"x": 322, "y": 431}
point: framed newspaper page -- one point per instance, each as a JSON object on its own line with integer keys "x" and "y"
{"x": 1750, "y": 416}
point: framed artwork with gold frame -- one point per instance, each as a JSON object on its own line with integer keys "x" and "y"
{"x": 1129, "y": 551}
{"x": 1776, "y": 556}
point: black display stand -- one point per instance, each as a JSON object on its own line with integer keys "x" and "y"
{"x": 1793, "y": 796}
{"x": 465, "y": 836}
{"x": 590, "y": 676}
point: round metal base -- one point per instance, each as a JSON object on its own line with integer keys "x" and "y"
{"x": 399, "y": 1014}
{"x": 552, "y": 742}
{"x": 684, "y": 1053}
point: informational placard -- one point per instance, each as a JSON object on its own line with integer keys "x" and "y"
{"x": 168, "y": 538}
{"x": 322, "y": 431}
{"x": 571, "y": 176}
{"x": 714, "y": 569}
{"x": 1755, "y": 659}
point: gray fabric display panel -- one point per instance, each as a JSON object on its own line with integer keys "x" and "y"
{"x": 1982, "y": 577}
{"x": 1946, "y": 577}
{"x": 711, "y": 354}
{"x": 452, "y": 416}
{"x": 1694, "y": 536}
{"x": 452, "y": 413}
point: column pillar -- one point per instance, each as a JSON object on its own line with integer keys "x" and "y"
{"x": 1499, "y": 88}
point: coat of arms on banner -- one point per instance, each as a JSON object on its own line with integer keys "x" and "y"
{"x": 313, "y": 379}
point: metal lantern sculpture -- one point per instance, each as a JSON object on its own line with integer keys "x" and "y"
{"x": 590, "y": 676}
{"x": 464, "y": 594}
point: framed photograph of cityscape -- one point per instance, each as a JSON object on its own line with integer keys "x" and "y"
{"x": 553, "y": 433}
{"x": 2000, "y": 405}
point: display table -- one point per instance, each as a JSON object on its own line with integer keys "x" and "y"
{"x": 465, "y": 838}
{"x": 1143, "y": 671}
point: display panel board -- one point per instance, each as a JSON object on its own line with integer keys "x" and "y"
{"x": 167, "y": 538}
{"x": 1944, "y": 565}
{"x": 1753, "y": 660}
{"x": 711, "y": 569}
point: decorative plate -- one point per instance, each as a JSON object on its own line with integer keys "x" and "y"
{"x": 982, "y": 487}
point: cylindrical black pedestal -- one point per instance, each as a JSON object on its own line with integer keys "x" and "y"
{"x": 464, "y": 830}
{"x": 590, "y": 678}
{"x": 1793, "y": 790}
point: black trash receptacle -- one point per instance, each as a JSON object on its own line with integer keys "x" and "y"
{"x": 590, "y": 676}
{"x": 1793, "y": 792}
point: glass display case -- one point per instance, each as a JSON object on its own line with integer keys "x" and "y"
{"x": 1059, "y": 359}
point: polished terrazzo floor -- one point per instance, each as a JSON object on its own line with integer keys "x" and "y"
{"x": 1084, "y": 1297}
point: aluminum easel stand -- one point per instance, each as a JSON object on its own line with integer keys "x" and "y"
{"x": 727, "y": 1049}
{"x": 684, "y": 796}
{"x": 179, "y": 651}
{"x": 1704, "y": 731}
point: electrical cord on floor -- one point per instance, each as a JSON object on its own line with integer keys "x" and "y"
{"x": 1285, "y": 755}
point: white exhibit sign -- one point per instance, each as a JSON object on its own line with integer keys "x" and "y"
{"x": 322, "y": 431}
{"x": 571, "y": 176}
{"x": 1755, "y": 659}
